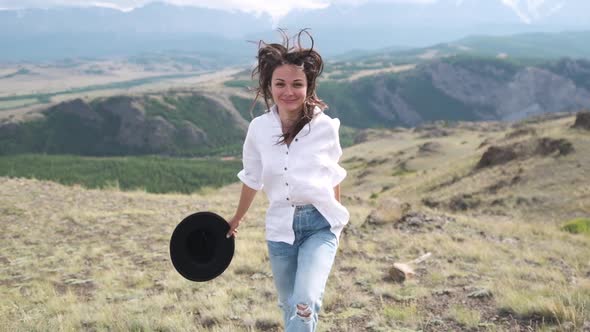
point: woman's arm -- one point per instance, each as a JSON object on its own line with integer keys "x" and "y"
{"x": 246, "y": 197}
{"x": 337, "y": 192}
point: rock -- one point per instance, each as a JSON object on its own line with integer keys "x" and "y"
{"x": 429, "y": 148}
{"x": 521, "y": 132}
{"x": 463, "y": 202}
{"x": 389, "y": 211}
{"x": 547, "y": 146}
{"x": 260, "y": 275}
{"x": 419, "y": 222}
{"x": 481, "y": 293}
{"x": 582, "y": 120}
{"x": 399, "y": 273}
{"x": 496, "y": 155}
{"x": 402, "y": 271}
{"x": 441, "y": 292}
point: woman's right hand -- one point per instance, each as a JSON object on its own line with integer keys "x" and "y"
{"x": 234, "y": 223}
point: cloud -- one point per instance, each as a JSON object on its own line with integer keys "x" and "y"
{"x": 276, "y": 9}
{"x": 531, "y": 10}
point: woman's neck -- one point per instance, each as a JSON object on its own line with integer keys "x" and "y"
{"x": 289, "y": 119}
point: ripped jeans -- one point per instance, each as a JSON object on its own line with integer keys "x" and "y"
{"x": 300, "y": 271}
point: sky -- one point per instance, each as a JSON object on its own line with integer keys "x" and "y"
{"x": 527, "y": 10}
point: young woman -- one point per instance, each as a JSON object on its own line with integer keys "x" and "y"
{"x": 291, "y": 152}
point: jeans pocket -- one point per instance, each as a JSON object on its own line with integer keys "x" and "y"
{"x": 278, "y": 249}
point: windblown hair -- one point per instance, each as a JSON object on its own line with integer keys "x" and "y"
{"x": 271, "y": 56}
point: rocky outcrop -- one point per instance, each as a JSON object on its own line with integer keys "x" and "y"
{"x": 545, "y": 146}
{"x": 582, "y": 120}
{"x": 474, "y": 89}
{"x": 512, "y": 96}
{"x": 391, "y": 106}
{"x": 535, "y": 91}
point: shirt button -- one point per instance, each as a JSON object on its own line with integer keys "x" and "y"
{"x": 292, "y": 205}
{"x": 285, "y": 168}
{"x": 287, "y": 198}
{"x": 286, "y": 183}
{"x": 287, "y": 152}
{"x": 297, "y": 140}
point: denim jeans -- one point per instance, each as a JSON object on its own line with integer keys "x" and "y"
{"x": 300, "y": 270}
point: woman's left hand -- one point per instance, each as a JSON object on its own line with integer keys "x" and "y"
{"x": 234, "y": 223}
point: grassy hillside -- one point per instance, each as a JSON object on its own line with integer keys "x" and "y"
{"x": 170, "y": 124}
{"x": 502, "y": 258}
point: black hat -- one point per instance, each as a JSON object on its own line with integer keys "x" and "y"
{"x": 199, "y": 248}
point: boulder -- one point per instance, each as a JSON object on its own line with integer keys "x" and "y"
{"x": 582, "y": 120}
{"x": 389, "y": 211}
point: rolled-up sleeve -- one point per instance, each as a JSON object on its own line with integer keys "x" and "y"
{"x": 251, "y": 174}
{"x": 338, "y": 173}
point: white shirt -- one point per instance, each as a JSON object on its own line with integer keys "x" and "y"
{"x": 305, "y": 172}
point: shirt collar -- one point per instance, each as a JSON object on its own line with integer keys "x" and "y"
{"x": 277, "y": 120}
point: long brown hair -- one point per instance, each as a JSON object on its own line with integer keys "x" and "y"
{"x": 271, "y": 56}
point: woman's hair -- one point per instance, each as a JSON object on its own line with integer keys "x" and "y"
{"x": 271, "y": 56}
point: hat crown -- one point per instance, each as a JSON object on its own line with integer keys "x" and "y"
{"x": 199, "y": 248}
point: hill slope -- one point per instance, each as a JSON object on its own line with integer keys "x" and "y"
{"x": 99, "y": 259}
{"x": 171, "y": 124}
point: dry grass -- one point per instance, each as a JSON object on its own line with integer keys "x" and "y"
{"x": 87, "y": 260}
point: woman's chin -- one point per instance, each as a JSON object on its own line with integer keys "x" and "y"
{"x": 290, "y": 108}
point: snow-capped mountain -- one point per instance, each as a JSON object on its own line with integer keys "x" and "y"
{"x": 338, "y": 28}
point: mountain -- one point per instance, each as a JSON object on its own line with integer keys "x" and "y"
{"x": 460, "y": 88}
{"x": 381, "y": 24}
{"x": 531, "y": 46}
{"x": 37, "y": 34}
{"x": 42, "y": 34}
{"x": 188, "y": 123}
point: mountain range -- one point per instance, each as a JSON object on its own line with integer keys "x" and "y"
{"x": 187, "y": 123}
{"x": 60, "y": 32}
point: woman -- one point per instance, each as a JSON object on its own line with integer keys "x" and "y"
{"x": 291, "y": 152}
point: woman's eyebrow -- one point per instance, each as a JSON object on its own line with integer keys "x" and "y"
{"x": 295, "y": 80}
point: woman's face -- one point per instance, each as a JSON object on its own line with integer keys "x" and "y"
{"x": 289, "y": 88}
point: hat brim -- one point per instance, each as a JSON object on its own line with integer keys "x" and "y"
{"x": 199, "y": 248}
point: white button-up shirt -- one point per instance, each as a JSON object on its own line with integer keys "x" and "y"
{"x": 305, "y": 172}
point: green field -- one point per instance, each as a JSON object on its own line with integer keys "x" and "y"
{"x": 152, "y": 174}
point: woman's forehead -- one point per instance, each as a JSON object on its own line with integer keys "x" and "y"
{"x": 289, "y": 72}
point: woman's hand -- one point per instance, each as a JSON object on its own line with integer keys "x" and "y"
{"x": 234, "y": 223}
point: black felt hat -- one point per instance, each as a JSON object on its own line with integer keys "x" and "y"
{"x": 199, "y": 248}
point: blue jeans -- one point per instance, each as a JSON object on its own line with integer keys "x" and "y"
{"x": 301, "y": 270}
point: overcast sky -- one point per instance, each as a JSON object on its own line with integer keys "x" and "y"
{"x": 276, "y": 9}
